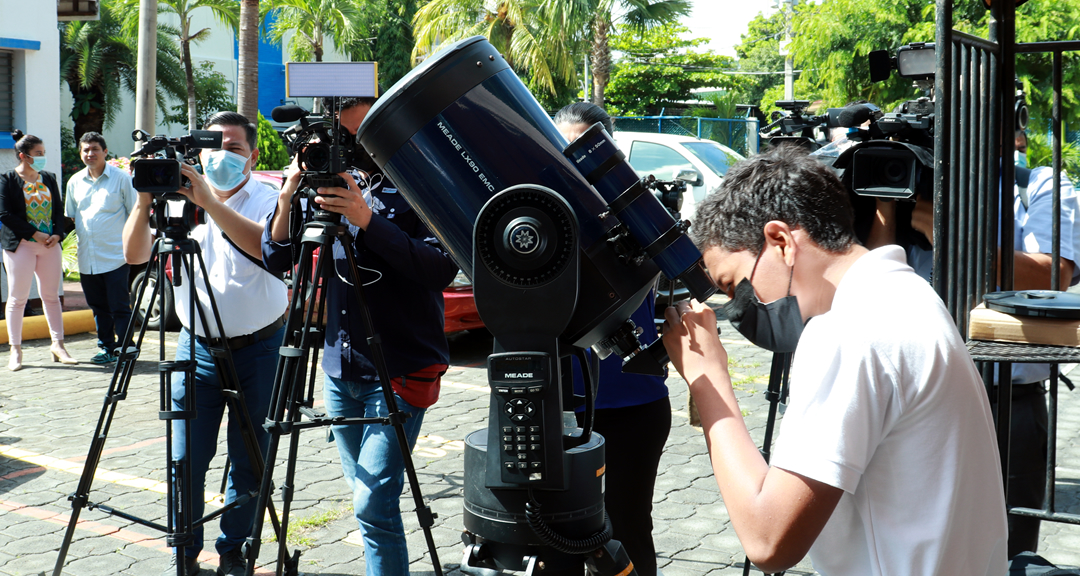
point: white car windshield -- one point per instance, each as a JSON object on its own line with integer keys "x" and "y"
{"x": 713, "y": 155}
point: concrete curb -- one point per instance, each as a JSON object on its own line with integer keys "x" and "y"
{"x": 36, "y": 327}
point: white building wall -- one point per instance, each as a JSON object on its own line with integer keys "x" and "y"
{"x": 36, "y": 89}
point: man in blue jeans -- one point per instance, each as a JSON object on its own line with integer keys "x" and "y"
{"x": 251, "y": 303}
{"x": 100, "y": 198}
{"x": 404, "y": 272}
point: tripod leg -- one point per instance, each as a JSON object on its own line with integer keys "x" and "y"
{"x": 300, "y": 338}
{"x": 778, "y": 375}
{"x": 423, "y": 512}
{"x": 118, "y": 387}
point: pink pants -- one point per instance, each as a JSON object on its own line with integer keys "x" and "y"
{"x": 33, "y": 259}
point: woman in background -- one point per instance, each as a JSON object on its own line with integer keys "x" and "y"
{"x": 32, "y": 212}
{"x": 632, "y": 413}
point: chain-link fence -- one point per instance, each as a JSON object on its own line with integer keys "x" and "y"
{"x": 730, "y": 132}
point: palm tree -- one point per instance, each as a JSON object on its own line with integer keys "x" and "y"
{"x": 247, "y": 89}
{"x": 538, "y": 38}
{"x": 98, "y": 58}
{"x": 638, "y": 15}
{"x": 224, "y": 10}
{"x": 311, "y": 21}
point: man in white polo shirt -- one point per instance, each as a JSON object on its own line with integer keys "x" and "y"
{"x": 252, "y": 304}
{"x": 100, "y": 198}
{"x": 887, "y": 458}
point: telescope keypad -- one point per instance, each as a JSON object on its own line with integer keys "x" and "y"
{"x": 522, "y": 445}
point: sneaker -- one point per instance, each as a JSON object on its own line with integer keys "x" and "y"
{"x": 232, "y": 564}
{"x": 103, "y": 357}
{"x": 191, "y": 566}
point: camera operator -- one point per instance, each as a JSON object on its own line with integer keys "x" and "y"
{"x": 1033, "y": 216}
{"x": 886, "y": 461}
{"x": 404, "y": 271}
{"x": 251, "y": 302}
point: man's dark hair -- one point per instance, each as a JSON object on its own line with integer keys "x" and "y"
{"x": 93, "y": 137}
{"x": 229, "y": 118}
{"x": 783, "y": 184}
{"x": 346, "y": 103}
{"x": 584, "y": 113}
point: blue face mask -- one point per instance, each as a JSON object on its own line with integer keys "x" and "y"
{"x": 38, "y": 163}
{"x": 225, "y": 170}
{"x": 1020, "y": 159}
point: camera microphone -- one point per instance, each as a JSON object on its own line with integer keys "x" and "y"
{"x": 288, "y": 113}
{"x": 854, "y": 116}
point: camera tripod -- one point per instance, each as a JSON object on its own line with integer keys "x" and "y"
{"x": 292, "y": 400}
{"x": 179, "y": 528}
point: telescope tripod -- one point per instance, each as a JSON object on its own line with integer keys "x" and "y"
{"x": 775, "y": 394}
{"x": 180, "y": 526}
{"x": 291, "y": 400}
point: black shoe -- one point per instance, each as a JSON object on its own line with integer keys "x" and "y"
{"x": 232, "y": 564}
{"x": 191, "y": 566}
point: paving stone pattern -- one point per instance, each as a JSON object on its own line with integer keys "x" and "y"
{"x": 48, "y": 413}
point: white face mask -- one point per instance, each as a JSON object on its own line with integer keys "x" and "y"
{"x": 225, "y": 170}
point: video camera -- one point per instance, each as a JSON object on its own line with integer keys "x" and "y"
{"x": 156, "y": 169}
{"x": 323, "y": 148}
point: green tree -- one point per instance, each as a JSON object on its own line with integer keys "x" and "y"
{"x": 394, "y": 40}
{"x": 638, "y": 16}
{"x": 213, "y": 92}
{"x": 272, "y": 152}
{"x": 833, "y": 38}
{"x": 98, "y": 62}
{"x": 311, "y": 21}
{"x": 540, "y": 39}
{"x": 759, "y": 57}
{"x": 660, "y": 68}
{"x": 226, "y": 11}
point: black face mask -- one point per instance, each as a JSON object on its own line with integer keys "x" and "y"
{"x": 775, "y": 326}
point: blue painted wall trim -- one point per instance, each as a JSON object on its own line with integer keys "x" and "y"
{"x": 6, "y": 143}
{"x": 19, "y": 44}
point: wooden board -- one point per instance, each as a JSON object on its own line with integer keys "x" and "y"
{"x": 986, "y": 324}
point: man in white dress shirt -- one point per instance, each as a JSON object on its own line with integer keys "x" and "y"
{"x": 251, "y": 302}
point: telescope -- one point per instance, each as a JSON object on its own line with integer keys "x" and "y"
{"x": 563, "y": 242}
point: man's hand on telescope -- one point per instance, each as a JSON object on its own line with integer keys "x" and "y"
{"x": 349, "y": 202}
{"x": 691, "y": 340}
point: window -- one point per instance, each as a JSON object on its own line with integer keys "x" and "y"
{"x": 7, "y": 92}
{"x": 715, "y": 157}
{"x": 656, "y": 159}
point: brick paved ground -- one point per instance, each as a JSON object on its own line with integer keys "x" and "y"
{"x": 48, "y": 413}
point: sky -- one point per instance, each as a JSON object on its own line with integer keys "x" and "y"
{"x": 724, "y": 21}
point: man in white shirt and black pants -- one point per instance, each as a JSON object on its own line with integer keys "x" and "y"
{"x": 100, "y": 198}
{"x": 252, "y": 304}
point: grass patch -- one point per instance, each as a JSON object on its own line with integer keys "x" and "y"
{"x": 300, "y": 529}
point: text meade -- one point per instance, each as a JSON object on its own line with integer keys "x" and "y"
{"x": 449, "y": 136}
{"x": 517, "y": 375}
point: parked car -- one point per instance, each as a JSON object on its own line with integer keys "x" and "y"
{"x": 460, "y": 306}
{"x": 668, "y": 156}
